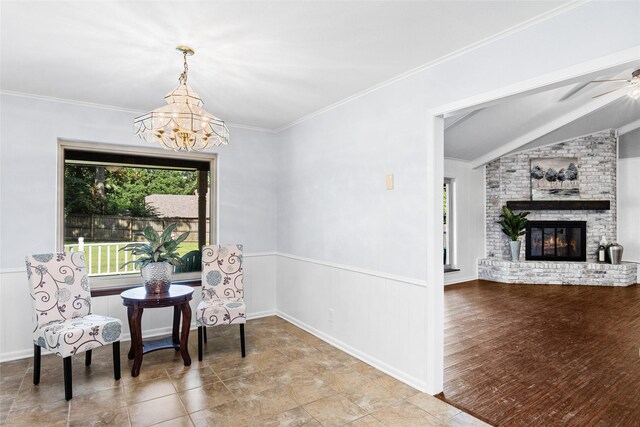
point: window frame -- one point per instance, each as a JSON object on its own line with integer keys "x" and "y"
{"x": 64, "y": 145}
{"x": 451, "y": 228}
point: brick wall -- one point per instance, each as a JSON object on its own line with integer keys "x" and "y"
{"x": 507, "y": 178}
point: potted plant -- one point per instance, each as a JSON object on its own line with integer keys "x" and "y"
{"x": 156, "y": 257}
{"x": 513, "y": 225}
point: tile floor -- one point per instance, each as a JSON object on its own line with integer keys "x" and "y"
{"x": 289, "y": 378}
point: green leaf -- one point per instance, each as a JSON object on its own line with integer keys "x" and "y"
{"x": 166, "y": 234}
{"x": 513, "y": 225}
{"x": 182, "y": 237}
{"x": 131, "y": 246}
{"x": 150, "y": 234}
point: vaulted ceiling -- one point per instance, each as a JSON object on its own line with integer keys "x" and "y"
{"x": 262, "y": 63}
{"x": 546, "y": 117}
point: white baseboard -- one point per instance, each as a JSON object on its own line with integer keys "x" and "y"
{"x": 401, "y": 376}
{"x": 461, "y": 280}
{"x": 151, "y": 333}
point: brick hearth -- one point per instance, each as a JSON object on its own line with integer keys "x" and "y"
{"x": 558, "y": 272}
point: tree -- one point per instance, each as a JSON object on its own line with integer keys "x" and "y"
{"x": 561, "y": 176}
{"x": 98, "y": 190}
{"x": 571, "y": 174}
{"x": 551, "y": 175}
{"x": 537, "y": 173}
{"x": 78, "y": 190}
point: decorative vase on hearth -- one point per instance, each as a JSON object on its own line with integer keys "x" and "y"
{"x": 515, "y": 250}
{"x": 615, "y": 253}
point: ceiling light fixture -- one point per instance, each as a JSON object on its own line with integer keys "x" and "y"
{"x": 633, "y": 86}
{"x": 182, "y": 124}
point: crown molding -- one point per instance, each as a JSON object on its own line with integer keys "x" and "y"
{"x": 69, "y": 101}
{"x": 481, "y": 43}
{"x": 111, "y": 107}
{"x": 253, "y": 128}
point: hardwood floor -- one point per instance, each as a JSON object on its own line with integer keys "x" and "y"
{"x": 543, "y": 355}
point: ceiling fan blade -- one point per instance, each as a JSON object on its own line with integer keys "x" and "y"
{"x": 602, "y": 94}
{"x": 614, "y": 80}
{"x": 574, "y": 90}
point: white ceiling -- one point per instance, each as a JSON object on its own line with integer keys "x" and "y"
{"x": 263, "y": 63}
{"x": 536, "y": 120}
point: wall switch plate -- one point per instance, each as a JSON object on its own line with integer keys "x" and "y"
{"x": 331, "y": 315}
{"x": 389, "y": 182}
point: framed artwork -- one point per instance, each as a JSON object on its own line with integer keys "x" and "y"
{"x": 554, "y": 178}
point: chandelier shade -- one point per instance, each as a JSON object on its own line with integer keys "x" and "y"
{"x": 183, "y": 124}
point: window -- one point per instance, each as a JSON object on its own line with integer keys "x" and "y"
{"x": 111, "y": 193}
{"x": 448, "y": 236}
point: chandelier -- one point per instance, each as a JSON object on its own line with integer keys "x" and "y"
{"x": 182, "y": 124}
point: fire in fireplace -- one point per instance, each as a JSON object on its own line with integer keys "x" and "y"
{"x": 556, "y": 241}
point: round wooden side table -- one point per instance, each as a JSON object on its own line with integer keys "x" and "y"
{"x": 136, "y": 300}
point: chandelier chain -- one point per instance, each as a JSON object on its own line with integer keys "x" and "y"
{"x": 183, "y": 76}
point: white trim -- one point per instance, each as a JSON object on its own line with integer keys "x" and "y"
{"x": 481, "y": 43}
{"x": 259, "y": 254}
{"x": 251, "y": 127}
{"x": 147, "y": 150}
{"x": 378, "y": 364}
{"x": 455, "y": 159}
{"x": 434, "y": 303}
{"x": 26, "y": 353}
{"x": 69, "y": 101}
{"x": 23, "y": 269}
{"x": 11, "y": 270}
{"x": 460, "y": 279}
{"x": 112, "y": 107}
{"x": 629, "y": 127}
{"x": 459, "y": 118}
{"x": 402, "y": 279}
{"x": 555, "y": 124}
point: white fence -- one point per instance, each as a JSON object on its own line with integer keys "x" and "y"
{"x": 104, "y": 258}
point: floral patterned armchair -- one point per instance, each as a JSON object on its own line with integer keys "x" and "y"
{"x": 63, "y": 323}
{"x": 222, "y": 291}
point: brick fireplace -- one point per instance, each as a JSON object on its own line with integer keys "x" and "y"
{"x": 549, "y": 255}
{"x": 508, "y": 179}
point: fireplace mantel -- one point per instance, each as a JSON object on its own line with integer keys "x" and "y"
{"x": 559, "y": 205}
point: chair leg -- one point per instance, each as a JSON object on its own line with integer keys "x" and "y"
{"x": 87, "y": 358}
{"x": 68, "y": 393}
{"x": 116, "y": 360}
{"x": 36, "y": 364}
{"x": 200, "y": 328}
{"x": 204, "y": 333}
{"x": 242, "y": 339}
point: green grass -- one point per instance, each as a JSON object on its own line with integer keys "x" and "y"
{"x": 109, "y": 261}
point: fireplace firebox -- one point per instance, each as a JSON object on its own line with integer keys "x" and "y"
{"x": 556, "y": 241}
